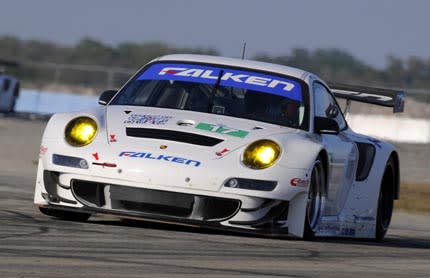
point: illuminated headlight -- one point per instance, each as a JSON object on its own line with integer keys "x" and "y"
{"x": 261, "y": 154}
{"x": 80, "y": 131}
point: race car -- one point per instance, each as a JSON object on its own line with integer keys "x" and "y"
{"x": 227, "y": 144}
{"x": 9, "y": 88}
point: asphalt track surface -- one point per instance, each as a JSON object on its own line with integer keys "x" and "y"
{"x": 34, "y": 245}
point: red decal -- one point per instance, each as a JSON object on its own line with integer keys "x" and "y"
{"x": 43, "y": 150}
{"x": 112, "y": 138}
{"x": 170, "y": 71}
{"x": 105, "y": 164}
{"x": 222, "y": 152}
{"x": 96, "y": 156}
{"x": 299, "y": 182}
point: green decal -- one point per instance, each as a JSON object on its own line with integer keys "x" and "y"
{"x": 222, "y": 129}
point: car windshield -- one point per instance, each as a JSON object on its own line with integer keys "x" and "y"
{"x": 240, "y": 93}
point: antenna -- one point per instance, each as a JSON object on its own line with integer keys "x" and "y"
{"x": 243, "y": 50}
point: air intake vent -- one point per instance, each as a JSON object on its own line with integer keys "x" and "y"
{"x": 152, "y": 202}
{"x": 171, "y": 135}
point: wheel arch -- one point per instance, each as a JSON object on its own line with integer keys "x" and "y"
{"x": 325, "y": 161}
{"x": 395, "y": 158}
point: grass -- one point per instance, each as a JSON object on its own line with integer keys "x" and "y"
{"x": 414, "y": 198}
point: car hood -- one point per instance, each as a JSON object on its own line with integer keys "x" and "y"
{"x": 180, "y": 133}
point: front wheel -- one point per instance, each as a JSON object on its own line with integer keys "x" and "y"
{"x": 316, "y": 199}
{"x": 65, "y": 215}
{"x": 385, "y": 200}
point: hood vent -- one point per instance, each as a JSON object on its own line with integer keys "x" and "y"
{"x": 172, "y": 135}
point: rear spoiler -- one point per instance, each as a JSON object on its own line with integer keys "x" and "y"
{"x": 377, "y": 96}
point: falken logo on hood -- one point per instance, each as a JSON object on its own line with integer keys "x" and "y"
{"x": 260, "y": 82}
{"x": 222, "y": 129}
{"x": 161, "y": 157}
{"x": 147, "y": 119}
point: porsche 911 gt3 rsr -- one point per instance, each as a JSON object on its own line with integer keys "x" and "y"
{"x": 227, "y": 144}
{"x": 9, "y": 92}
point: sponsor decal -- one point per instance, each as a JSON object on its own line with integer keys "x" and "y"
{"x": 222, "y": 152}
{"x": 222, "y": 129}
{"x": 95, "y": 155}
{"x": 299, "y": 182}
{"x": 112, "y": 138}
{"x": 161, "y": 157}
{"x": 334, "y": 229}
{"x": 347, "y": 232}
{"x": 243, "y": 79}
{"x": 43, "y": 150}
{"x": 147, "y": 119}
{"x": 363, "y": 218}
{"x": 105, "y": 164}
{"x": 364, "y": 95}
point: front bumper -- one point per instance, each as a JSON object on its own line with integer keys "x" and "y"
{"x": 216, "y": 210}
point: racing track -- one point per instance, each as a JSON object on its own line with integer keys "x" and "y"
{"x": 33, "y": 245}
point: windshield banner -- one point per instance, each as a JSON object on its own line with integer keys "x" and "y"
{"x": 249, "y": 80}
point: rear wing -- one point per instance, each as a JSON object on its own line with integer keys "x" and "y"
{"x": 377, "y": 96}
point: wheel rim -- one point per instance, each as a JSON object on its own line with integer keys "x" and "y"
{"x": 315, "y": 196}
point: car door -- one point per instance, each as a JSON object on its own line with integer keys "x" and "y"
{"x": 342, "y": 152}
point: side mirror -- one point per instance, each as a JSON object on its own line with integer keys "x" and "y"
{"x": 325, "y": 126}
{"x": 106, "y": 96}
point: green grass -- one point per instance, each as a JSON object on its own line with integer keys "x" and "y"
{"x": 414, "y": 198}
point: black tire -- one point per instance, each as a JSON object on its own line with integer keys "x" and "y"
{"x": 385, "y": 200}
{"x": 65, "y": 215}
{"x": 316, "y": 199}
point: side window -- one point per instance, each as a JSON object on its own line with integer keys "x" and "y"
{"x": 326, "y": 106}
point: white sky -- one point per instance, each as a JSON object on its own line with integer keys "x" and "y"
{"x": 369, "y": 30}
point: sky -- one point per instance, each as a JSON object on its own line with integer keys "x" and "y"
{"x": 369, "y": 30}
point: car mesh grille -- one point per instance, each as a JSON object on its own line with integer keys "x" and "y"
{"x": 172, "y": 135}
{"x": 154, "y": 202}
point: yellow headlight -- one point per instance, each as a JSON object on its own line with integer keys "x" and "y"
{"x": 261, "y": 154}
{"x": 81, "y": 131}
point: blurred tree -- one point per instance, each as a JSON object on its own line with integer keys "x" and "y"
{"x": 330, "y": 63}
{"x": 92, "y": 52}
{"x": 395, "y": 72}
{"x": 10, "y": 47}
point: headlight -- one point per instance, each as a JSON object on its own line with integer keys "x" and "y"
{"x": 261, "y": 154}
{"x": 81, "y": 131}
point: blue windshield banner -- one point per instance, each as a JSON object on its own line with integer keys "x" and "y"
{"x": 249, "y": 80}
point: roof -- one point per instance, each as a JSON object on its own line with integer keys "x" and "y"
{"x": 294, "y": 72}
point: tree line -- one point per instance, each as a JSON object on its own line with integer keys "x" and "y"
{"x": 331, "y": 64}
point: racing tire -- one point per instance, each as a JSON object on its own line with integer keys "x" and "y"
{"x": 65, "y": 215}
{"x": 316, "y": 200}
{"x": 385, "y": 200}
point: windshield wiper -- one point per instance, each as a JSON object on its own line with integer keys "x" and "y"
{"x": 212, "y": 97}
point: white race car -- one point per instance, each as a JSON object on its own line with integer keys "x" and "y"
{"x": 9, "y": 89}
{"x": 226, "y": 144}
